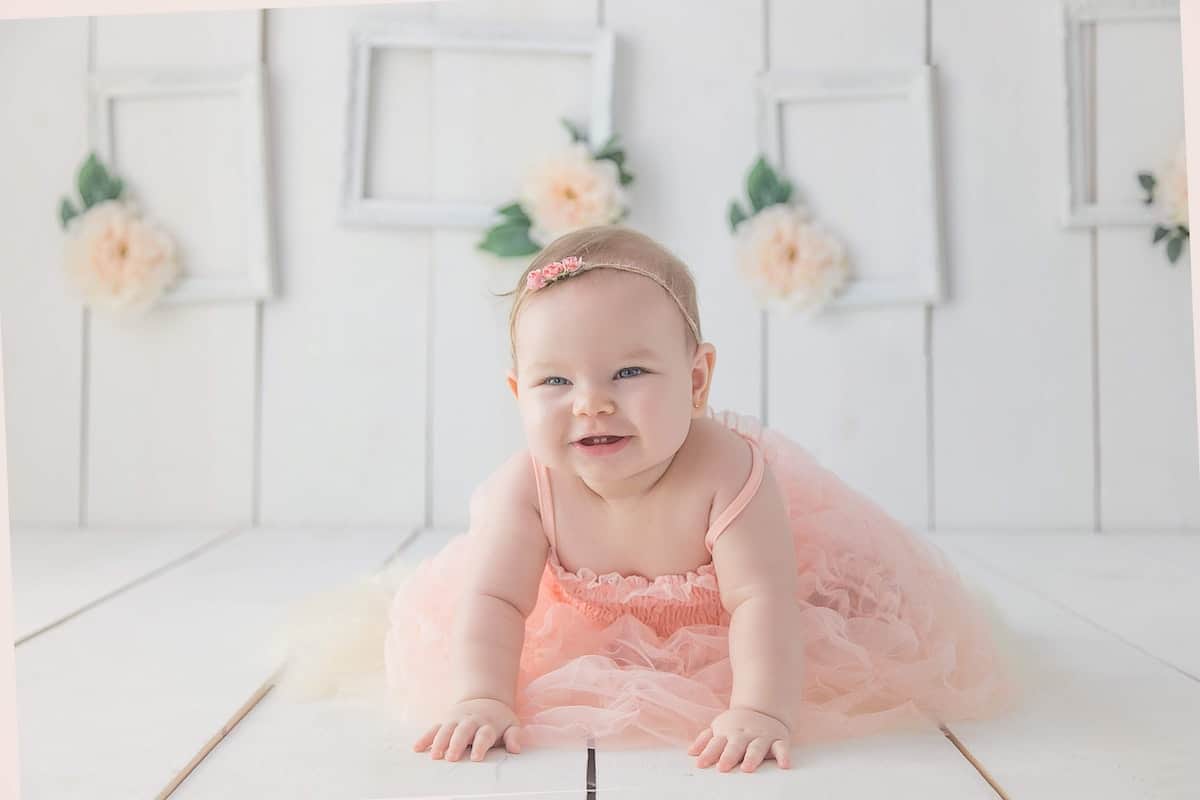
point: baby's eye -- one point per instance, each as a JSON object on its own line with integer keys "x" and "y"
{"x": 623, "y": 372}
{"x": 550, "y": 381}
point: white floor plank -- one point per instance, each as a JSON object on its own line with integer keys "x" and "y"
{"x": 1141, "y": 587}
{"x": 56, "y": 572}
{"x": 337, "y": 748}
{"x": 1098, "y": 718}
{"x": 114, "y": 702}
{"x": 893, "y": 766}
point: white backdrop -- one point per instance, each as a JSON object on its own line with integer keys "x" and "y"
{"x": 1053, "y": 389}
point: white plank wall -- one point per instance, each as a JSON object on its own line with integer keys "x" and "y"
{"x": 43, "y": 135}
{"x": 1012, "y": 374}
{"x": 1053, "y": 390}
{"x": 170, "y": 402}
{"x": 343, "y": 348}
{"x": 1149, "y": 474}
{"x": 850, "y": 386}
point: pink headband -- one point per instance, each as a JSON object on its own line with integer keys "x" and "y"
{"x": 573, "y": 265}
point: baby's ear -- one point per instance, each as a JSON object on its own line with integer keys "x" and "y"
{"x": 512, "y": 382}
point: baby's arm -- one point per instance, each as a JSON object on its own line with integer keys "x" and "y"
{"x": 755, "y": 559}
{"x": 508, "y": 556}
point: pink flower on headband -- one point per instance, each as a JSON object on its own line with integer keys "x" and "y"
{"x": 553, "y": 271}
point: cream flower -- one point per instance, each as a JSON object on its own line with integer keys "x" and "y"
{"x": 789, "y": 260}
{"x": 116, "y": 260}
{"x": 569, "y": 191}
{"x": 1173, "y": 188}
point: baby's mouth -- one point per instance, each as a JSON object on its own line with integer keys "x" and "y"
{"x": 590, "y": 441}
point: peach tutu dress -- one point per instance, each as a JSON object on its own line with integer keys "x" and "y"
{"x": 892, "y": 640}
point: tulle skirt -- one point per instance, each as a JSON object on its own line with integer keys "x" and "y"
{"x": 892, "y": 639}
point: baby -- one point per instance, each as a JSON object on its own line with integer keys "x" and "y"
{"x": 649, "y": 571}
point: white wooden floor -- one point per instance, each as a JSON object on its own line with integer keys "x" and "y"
{"x": 141, "y": 673}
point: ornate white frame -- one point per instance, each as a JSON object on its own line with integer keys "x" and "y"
{"x": 247, "y": 85}
{"x": 1079, "y": 70}
{"x": 359, "y": 210}
{"x": 925, "y": 284}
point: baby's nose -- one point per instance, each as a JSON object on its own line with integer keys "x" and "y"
{"x": 592, "y": 401}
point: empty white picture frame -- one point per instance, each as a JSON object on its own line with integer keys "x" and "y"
{"x": 252, "y": 277}
{"x": 1079, "y": 21}
{"x": 919, "y": 277}
{"x": 357, "y": 209}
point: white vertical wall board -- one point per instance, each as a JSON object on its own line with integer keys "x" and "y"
{"x": 1149, "y": 469}
{"x": 170, "y": 417}
{"x": 43, "y": 140}
{"x": 343, "y": 347}
{"x": 171, "y": 397}
{"x": 850, "y": 385}
{"x": 473, "y": 416}
{"x": 1012, "y": 375}
{"x": 1124, "y": 721}
{"x": 688, "y": 124}
{"x": 115, "y": 702}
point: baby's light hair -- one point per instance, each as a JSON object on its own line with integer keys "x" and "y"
{"x": 606, "y": 246}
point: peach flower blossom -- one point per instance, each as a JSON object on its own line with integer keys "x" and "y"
{"x": 569, "y": 191}
{"x": 1173, "y": 188}
{"x": 790, "y": 261}
{"x": 117, "y": 261}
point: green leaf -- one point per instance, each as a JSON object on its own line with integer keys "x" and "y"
{"x": 115, "y": 187}
{"x": 93, "y": 182}
{"x": 66, "y": 212}
{"x": 784, "y": 193}
{"x": 509, "y": 239}
{"x": 1174, "y": 248}
{"x": 1160, "y": 233}
{"x": 736, "y": 215}
{"x": 513, "y": 212}
{"x": 577, "y": 134}
{"x": 626, "y": 177}
{"x": 610, "y": 148}
{"x": 1183, "y": 231}
{"x": 1147, "y": 181}
{"x": 764, "y": 186}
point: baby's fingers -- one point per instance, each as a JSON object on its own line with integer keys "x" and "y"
{"x": 442, "y": 739}
{"x": 711, "y": 751}
{"x": 756, "y": 751}
{"x": 512, "y": 739}
{"x": 422, "y": 744}
{"x": 463, "y": 735}
{"x": 732, "y": 755}
{"x": 700, "y": 741}
{"x": 781, "y": 750}
{"x": 485, "y": 737}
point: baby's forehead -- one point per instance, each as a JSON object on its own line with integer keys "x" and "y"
{"x": 601, "y": 310}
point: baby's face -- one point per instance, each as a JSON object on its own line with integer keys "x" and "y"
{"x": 606, "y": 352}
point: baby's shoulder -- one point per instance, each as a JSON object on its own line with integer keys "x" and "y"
{"x": 511, "y": 485}
{"x": 720, "y": 458}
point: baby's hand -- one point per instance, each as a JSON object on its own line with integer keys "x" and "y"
{"x": 741, "y": 734}
{"x": 477, "y": 724}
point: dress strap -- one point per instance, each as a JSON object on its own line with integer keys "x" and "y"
{"x": 742, "y": 500}
{"x": 545, "y": 500}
